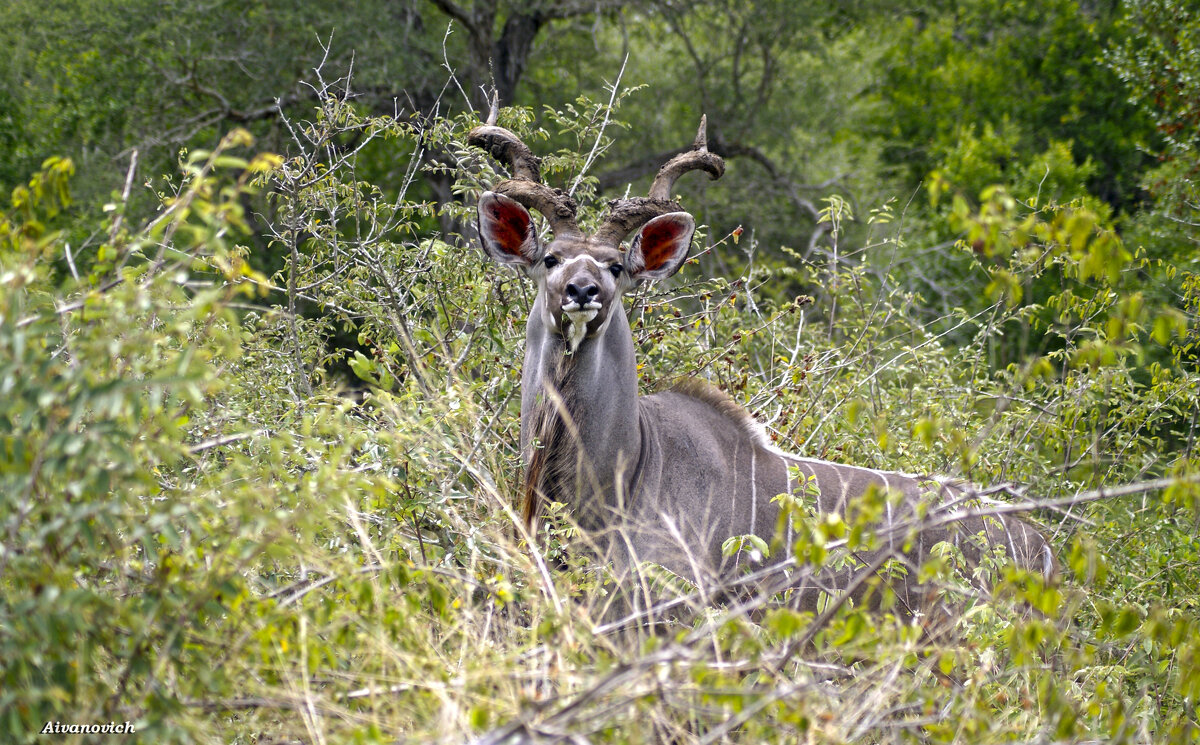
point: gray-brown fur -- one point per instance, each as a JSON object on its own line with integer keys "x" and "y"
{"x": 702, "y": 390}
{"x": 667, "y": 478}
{"x": 719, "y": 480}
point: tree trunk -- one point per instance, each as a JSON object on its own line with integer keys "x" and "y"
{"x": 510, "y": 53}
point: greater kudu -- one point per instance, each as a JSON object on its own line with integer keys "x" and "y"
{"x": 667, "y": 478}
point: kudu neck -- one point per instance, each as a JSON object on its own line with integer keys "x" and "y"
{"x": 594, "y": 392}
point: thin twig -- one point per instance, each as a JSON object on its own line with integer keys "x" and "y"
{"x": 603, "y": 125}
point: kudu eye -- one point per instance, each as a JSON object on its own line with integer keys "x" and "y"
{"x": 616, "y": 270}
{"x": 550, "y": 262}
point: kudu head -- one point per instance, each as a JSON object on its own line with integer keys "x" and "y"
{"x": 581, "y": 277}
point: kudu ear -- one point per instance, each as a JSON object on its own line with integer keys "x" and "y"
{"x": 660, "y": 247}
{"x": 506, "y": 230}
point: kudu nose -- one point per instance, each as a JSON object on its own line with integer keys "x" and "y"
{"x": 582, "y": 293}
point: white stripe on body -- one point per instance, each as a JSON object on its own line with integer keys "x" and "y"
{"x": 890, "y": 521}
{"x": 733, "y": 501}
{"x": 818, "y": 461}
{"x": 1012, "y": 545}
{"x": 753, "y": 491}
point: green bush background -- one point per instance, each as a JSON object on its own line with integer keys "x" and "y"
{"x": 259, "y": 390}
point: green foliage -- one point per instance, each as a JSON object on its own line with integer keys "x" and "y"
{"x": 1158, "y": 62}
{"x": 1016, "y": 94}
{"x": 258, "y": 435}
{"x": 1013, "y": 77}
{"x": 97, "y": 79}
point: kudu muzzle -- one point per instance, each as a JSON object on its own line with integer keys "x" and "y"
{"x": 584, "y": 300}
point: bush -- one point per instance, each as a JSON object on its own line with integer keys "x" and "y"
{"x": 212, "y": 532}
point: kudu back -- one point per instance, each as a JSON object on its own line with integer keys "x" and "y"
{"x": 668, "y": 478}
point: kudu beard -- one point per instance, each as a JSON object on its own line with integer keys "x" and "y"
{"x": 555, "y": 463}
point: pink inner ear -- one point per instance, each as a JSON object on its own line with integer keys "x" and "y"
{"x": 660, "y": 242}
{"x": 505, "y": 226}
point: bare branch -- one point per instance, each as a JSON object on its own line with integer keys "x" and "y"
{"x": 603, "y": 125}
{"x": 749, "y": 151}
{"x": 225, "y": 440}
{"x": 461, "y": 16}
{"x": 635, "y": 170}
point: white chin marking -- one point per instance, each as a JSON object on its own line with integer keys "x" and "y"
{"x": 579, "y": 320}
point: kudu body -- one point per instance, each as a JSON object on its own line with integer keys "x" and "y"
{"x": 667, "y": 478}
